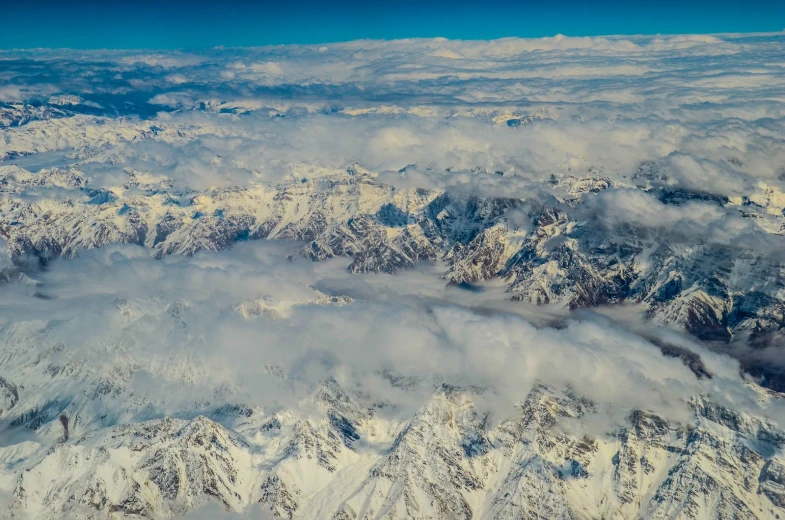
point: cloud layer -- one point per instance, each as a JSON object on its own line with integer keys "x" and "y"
{"x": 174, "y": 330}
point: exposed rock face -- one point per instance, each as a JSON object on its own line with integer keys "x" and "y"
{"x": 9, "y": 396}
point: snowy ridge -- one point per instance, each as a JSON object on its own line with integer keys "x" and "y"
{"x": 554, "y": 256}
{"x": 445, "y": 462}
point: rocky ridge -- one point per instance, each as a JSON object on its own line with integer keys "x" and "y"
{"x": 557, "y": 255}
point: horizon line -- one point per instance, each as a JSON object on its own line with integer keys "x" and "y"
{"x": 737, "y": 34}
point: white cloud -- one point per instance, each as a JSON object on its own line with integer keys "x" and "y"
{"x": 176, "y": 79}
{"x": 167, "y": 61}
{"x": 411, "y": 324}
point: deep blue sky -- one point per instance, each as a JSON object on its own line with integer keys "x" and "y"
{"x": 207, "y": 23}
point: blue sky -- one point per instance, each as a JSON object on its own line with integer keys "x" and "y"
{"x": 207, "y": 23}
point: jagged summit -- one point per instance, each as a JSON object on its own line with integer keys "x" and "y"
{"x": 446, "y": 461}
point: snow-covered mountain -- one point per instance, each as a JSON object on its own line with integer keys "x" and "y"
{"x": 448, "y": 460}
{"x": 553, "y": 250}
{"x": 428, "y": 279}
{"x": 101, "y": 447}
